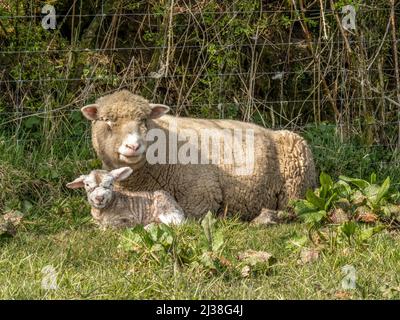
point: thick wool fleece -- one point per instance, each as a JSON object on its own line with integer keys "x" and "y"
{"x": 283, "y": 168}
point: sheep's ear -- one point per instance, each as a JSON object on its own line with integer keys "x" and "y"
{"x": 158, "y": 110}
{"x": 77, "y": 183}
{"x": 90, "y": 111}
{"x": 121, "y": 173}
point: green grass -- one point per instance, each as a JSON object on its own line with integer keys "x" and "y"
{"x": 91, "y": 266}
{"x": 57, "y": 231}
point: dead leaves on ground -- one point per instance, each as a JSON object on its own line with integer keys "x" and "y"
{"x": 343, "y": 295}
{"x": 255, "y": 261}
{"x": 308, "y": 255}
{"x": 9, "y": 223}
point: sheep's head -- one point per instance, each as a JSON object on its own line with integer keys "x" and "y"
{"x": 120, "y": 124}
{"x": 99, "y": 185}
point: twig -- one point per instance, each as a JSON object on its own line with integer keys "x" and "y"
{"x": 323, "y": 20}
{"x": 381, "y": 45}
{"x": 396, "y": 60}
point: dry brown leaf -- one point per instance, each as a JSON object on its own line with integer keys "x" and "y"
{"x": 253, "y": 257}
{"x": 338, "y": 216}
{"x": 343, "y": 203}
{"x": 359, "y": 199}
{"x": 14, "y": 217}
{"x": 367, "y": 217}
{"x": 9, "y": 222}
{"x": 343, "y": 295}
{"x": 254, "y": 260}
{"x": 245, "y": 272}
{"x": 308, "y": 255}
{"x": 224, "y": 261}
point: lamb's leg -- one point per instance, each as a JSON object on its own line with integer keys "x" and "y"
{"x": 166, "y": 209}
{"x": 174, "y": 217}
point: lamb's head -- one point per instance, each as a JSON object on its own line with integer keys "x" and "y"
{"x": 99, "y": 185}
{"x": 119, "y": 128}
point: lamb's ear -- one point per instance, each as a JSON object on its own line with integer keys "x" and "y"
{"x": 121, "y": 173}
{"x": 77, "y": 183}
{"x": 158, "y": 110}
{"x": 90, "y": 111}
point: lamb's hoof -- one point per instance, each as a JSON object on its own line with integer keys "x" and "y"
{"x": 266, "y": 217}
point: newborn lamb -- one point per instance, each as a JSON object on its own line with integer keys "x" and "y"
{"x": 114, "y": 209}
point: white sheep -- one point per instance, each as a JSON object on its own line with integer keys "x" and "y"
{"x": 110, "y": 208}
{"x": 283, "y": 166}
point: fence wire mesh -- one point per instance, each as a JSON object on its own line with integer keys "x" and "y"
{"x": 280, "y": 64}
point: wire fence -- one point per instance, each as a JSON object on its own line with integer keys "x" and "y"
{"x": 198, "y": 65}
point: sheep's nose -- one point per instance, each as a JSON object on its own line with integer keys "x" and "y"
{"x": 133, "y": 147}
{"x": 99, "y": 198}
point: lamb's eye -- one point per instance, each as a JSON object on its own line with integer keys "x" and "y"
{"x": 110, "y": 124}
{"x": 143, "y": 126}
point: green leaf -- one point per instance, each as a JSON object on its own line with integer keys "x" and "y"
{"x": 383, "y": 190}
{"x": 208, "y": 224}
{"x": 342, "y": 188}
{"x": 373, "y": 178}
{"x": 297, "y": 242}
{"x": 314, "y": 199}
{"x": 360, "y": 183}
{"x": 27, "y": 206}
{"x": 166, "y": 237}
{"x": 152, "y": 231}
{"x": 325, "y": 180}
{"x": 371, "y": 192}
{"x": 303, "y": 207}
{"x": 368, "y": 232}
{"x": 313, "y": 218}
{"x": 395, "y": 197}
{"x": 31, "y": 122}
{"x": 326, "y": 185}
{"x": 349, "y": 228}
{"x": 160, "y": 235}
{"x": 329, "y": 202}
{"x": 218, "y": 241}
{"x": 132, "y": 239}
